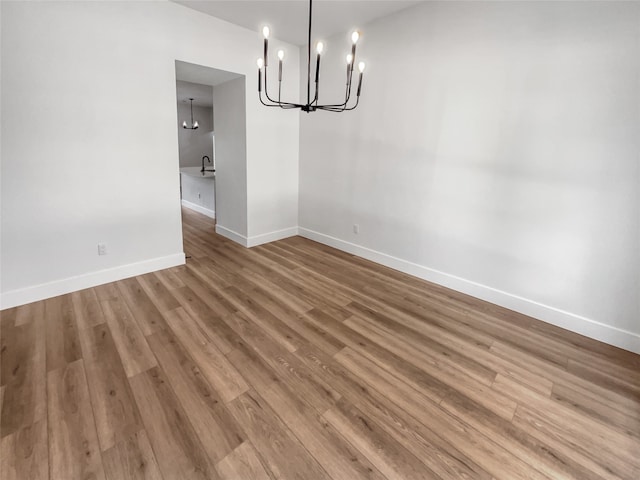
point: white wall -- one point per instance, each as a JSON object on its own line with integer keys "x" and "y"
{"x": 194, "y": 144}
{"x": 95, "y": 83}
{"x": 496, "y": 151}
{"x": 273, "y": 179}
{"x": 231, "y": 154}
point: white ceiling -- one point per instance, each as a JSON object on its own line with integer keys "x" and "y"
{"x": 202, "y": 94}
{"x": 289, "y": 20}
{"x": 196, "y": 81}
{"x": 190, "y": 72}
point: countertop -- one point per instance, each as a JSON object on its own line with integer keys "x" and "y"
{"x": 195, "y": 172}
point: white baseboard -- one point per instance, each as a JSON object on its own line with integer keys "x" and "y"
{"x": 271, "y": 236}
{"x": 199, "y": 209}
{"x": 231, "y": 235}
{"x": 23, "y": 296}
{"x": 256, "y": 239}
{"x": 567, "y": 320}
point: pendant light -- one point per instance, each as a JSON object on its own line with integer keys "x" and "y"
{"x": 312, "y": 104}
{"x": 194, "y": 125}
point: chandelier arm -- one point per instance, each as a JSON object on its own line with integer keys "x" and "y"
{"x": 350, "y": 81}
{"x": 315, "y": 97}
{"x": 333, "y": 108}
{"x": 266, "y": 91}
{"x": 347, "y": 93}
{"x": 329, "y": 108}
{"x": 266, "y": 104}
{"x": 336, "y": 110}
{"x": 260, "y": 90}
{"x": 339, "y": 107}
{"x": 285, "y": 105}
{"x": 280, "y": 94}
{"x": 355, "y": 105}
{"x": 278, "y": 103}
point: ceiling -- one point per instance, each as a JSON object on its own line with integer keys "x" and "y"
{"x": 195, "y": 81}
{"x": 288, "y": 20}
{"x": 202, "y": 94}
{"x": 190, "y": 72}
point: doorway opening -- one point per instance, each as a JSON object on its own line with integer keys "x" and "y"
{"x": 211, "y": 129}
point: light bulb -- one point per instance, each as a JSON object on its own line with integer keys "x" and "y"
{"x": 361, "y": 67}
{"x": 260, "y": 62}
{"x": 184, "y": 124}
{"x": 319, "y": 47}
{"x": 354, "y": 37}
{"x": 265, "y": 31}
{"x": 281, "y": 54}
{"x": 349, "y": 59}
{"x": 195, "y": 124}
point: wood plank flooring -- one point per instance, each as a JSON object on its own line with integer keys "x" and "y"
{"x": 293, "y": 360}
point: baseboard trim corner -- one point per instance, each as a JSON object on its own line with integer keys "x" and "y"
{"x": 272, "y": 236}
{"x": 256, "y": 240}
{"x": 231, "y": 235}
{"x": 584, "y": 326}
{"x": 22, "y": 296}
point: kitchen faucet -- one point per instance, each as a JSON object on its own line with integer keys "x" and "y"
{"x": 202, "y": 170}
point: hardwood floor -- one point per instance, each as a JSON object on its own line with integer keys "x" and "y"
{"x": 293, "y": 360}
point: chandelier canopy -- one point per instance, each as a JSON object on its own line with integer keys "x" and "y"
{"x": 312, "y": 103}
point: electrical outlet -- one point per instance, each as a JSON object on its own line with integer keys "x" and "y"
{"x": 356, "y": 228}
{"x": 102, "y": 249}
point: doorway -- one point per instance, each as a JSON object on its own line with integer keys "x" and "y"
{"x": 212, "y": 145}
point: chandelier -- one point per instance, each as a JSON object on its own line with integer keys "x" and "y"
{"x": 312, "y": 104}
{"x": 194, "y": 125}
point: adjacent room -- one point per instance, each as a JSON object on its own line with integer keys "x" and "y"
{"x": 330, "y": 239}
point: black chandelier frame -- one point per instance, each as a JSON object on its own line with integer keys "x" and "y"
{"x": 311, "y": 105}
